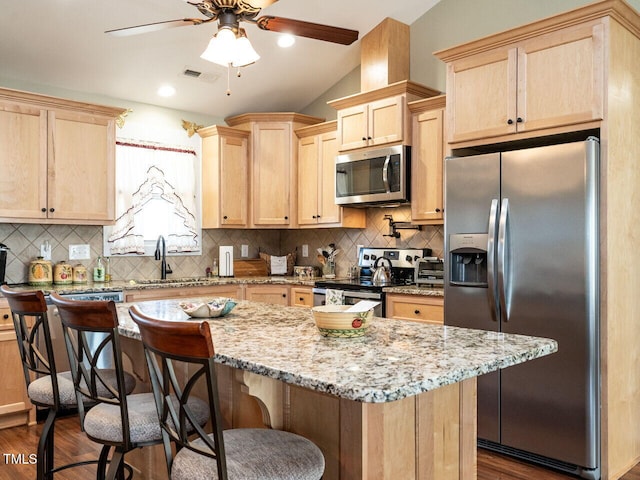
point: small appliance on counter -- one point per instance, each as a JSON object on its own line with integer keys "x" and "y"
{"x": 429, "y": 271}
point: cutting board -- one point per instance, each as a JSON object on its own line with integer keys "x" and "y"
{"x": 253, "y": 267}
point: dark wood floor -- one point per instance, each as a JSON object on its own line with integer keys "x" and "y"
{"x": 73, "y": 446}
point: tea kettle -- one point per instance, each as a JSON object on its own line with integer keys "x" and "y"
{"x": 381, "y": 275}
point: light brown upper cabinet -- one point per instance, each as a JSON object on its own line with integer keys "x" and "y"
{"x": 377, "y": 117}
{"x": 273, "y": 166}
{"x": 317, "y": 150}
{"x": 225, "y": 177}
{"x": 542, "y": 85}
{"x": 427, "y": 160}
{"x": 57, "y": 159}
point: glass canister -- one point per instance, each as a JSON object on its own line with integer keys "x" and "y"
{"x": 80, "y": 274}
{"x": 40, "y": 272}
{"x": 62, "y": 273}
{"x": 98, "y": 271}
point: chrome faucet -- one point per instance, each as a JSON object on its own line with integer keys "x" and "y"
{"x": 162, "y": 255}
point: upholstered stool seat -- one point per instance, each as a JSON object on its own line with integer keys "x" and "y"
{"x": 40, "y": 390}
{"x": 254, "y": 454}
{"x": 103, "y": 423}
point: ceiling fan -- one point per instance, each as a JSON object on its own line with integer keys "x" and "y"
{"x": 230, "y": 13}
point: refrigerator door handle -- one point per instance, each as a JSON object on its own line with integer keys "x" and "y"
{"x": 502, "y": 254}
{"x": 491, "y": 245}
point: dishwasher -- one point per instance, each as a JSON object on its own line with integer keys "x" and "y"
{"x": 57, "y": 338}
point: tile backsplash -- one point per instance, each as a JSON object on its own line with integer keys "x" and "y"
{"x": 24, "y": 240}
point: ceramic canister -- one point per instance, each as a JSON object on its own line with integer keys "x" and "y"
{"x": 40, "y": 272}
{"x": 62, "y": 273}
{"x": 80, "y": 274}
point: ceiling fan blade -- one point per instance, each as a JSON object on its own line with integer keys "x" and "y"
{"x": 327, "y": 33}
{"x": 153, "y": 27}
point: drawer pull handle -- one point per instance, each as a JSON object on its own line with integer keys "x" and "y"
{"x": 5, "y": 316}
{"x": 417, "y": 312}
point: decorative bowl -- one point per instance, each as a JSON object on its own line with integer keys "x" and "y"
{"x": 335, "y": 321}
{"x": 217, "y": 307}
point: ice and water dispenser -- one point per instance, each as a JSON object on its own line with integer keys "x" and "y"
{"x": 468, "y": 259}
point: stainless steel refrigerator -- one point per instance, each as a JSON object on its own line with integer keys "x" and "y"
{"x": 521, "y": 243}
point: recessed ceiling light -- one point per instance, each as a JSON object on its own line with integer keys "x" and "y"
{"x": 166, "y": 91}
{"x": 285, "y": 40}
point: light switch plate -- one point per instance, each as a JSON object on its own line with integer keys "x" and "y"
{"x": 79, "y": 252}
{"x": 305, "y": 250}
{"x": 244, "y": 251}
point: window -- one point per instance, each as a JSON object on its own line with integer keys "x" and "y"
{"x": 156, "y": 194}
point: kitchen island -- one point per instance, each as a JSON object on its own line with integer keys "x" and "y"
{"x": 398, "y": 403}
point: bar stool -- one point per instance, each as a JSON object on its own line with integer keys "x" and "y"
{"x": 46, "y": 387}
{"x": 118, "y": 421}
{"x": 242, "y": 453}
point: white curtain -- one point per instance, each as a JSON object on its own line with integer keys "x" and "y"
{"x": 156, "y": 193}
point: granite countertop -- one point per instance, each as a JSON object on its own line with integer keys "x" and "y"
{"x": 394, "y": 360}
{"x": 121, "y": 285}
{"x": 416, "y": 290}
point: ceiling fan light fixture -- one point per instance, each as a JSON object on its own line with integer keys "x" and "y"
{"x": 244, "y": 54}
{"x": 221, "y": 47}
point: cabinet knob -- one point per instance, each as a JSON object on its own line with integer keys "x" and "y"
{"x": 510, "y": 122}
{"x": 286, "y": 218}
{"x": 43, "y": 209}
{"x": 369, "y": 138}
{"x": 284, "y": 295}
{"x": 52, "y": 209}
{"x": 301, "y": 299}
{"x": 437, "y": 210}
{"x": 313, "y": 216}
{"x": 225, "y": 217}
{"x": 364, "y": 139}
{"x": 318, "y": 216}
{"x": 6, "y": 315}
{"x": 519, "y": 120}
{"x": 417, "y": 312}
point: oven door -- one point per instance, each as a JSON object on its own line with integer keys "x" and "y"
{"x": 352, "y": 297}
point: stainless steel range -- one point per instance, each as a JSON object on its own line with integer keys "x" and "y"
{"x": 401, "y": 263}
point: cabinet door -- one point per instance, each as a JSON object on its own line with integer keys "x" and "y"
{"x": 81, "y": 167}
{"x": 23, "y": 162}
{"x": 415, "y": 308}
{"x": 481, "y": 95}
{"x": 426, "y": 167}
{"x": 561, "y": 78}
{"x": 301, "y": 297}
{"x": 308, "y": 180}
{"x": 234, "y": 181}
{"x": 276, "y": 294}
{"x": 386, "y": 121}
{"x": 14, "y": 402}
{"x": 328, "y": 149}
{"x": 272, "y": 173}
{"x": 231, "y": 291}
{"x": 353, "y": 127}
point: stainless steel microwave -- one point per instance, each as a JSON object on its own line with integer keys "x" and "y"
{"x": 374, "y": 177}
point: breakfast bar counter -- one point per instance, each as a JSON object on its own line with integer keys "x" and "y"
{"x": 399, "y": 402}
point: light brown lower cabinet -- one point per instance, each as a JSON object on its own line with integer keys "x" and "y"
{"x": 301, "y": 296}
{"x": 415, "y": 307}
{"x": 141, "y": 295}
{"x": 275, "y": 294}
{"x": 15, "y": 407}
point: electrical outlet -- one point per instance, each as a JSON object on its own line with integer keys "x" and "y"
{"x": 305, "y": 250}
{"x": 244, "y": 251}
{"x": 79, "y": 252}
